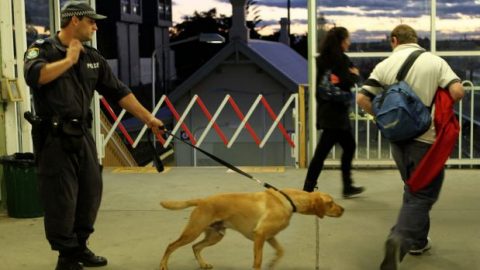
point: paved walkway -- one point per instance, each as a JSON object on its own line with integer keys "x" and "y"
{"x": 133, "y": 230}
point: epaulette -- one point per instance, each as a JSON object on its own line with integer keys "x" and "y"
{"x": 41, "y": 41}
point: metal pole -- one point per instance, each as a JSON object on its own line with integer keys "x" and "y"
{"x": 317, "y": 241}
{"x": 312, "y": 51}
{"x": 288, "y": 17}
{"x": 164, "y": 71}
{"x": 153, "y": 59}
{"x": 154, "y": 76}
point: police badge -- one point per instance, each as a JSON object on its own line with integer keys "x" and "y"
{"x": 32, "y": 53}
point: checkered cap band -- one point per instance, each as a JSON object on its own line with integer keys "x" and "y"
{"x": 78, "y": 13}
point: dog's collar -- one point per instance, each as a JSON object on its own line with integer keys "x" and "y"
{"x": 294, "y": 208}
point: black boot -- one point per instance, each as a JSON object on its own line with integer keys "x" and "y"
{"x": 351, "y": 191}
{"x": 89, "y": 259}
{"x": 68, "y": 263}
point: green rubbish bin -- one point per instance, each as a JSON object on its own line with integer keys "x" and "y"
{"x": 23, "y": 200}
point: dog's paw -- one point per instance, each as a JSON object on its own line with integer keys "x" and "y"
{"x": 163, "y": 267}
{"x": 206, "y": 266}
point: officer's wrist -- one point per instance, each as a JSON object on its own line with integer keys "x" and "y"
{"x": 150, "y": 121}
{"x": 69, "y": 61}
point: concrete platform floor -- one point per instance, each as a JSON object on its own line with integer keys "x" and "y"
{"x": 133, "y": 230}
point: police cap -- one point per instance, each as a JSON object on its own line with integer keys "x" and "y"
{"x": 79, "y": 8}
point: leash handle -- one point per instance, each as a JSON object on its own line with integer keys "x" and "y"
{"x": 157, "y": 162}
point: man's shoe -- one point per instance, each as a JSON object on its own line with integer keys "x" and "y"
{"x": 67, "y": 263}
{"x": 415, "y": 250}
{"x": 89, "y": 259}
{"x": 352, "y": 191}
{"x": 391, "y": 261}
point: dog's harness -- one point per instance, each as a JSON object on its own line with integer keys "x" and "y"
{"x": 159, "y": 165}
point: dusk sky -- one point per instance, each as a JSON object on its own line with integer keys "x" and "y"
{"x": 373, "y": 17}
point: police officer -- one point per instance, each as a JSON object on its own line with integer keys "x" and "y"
{"x": 63, "y": 74}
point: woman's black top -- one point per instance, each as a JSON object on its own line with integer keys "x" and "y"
{"x": 331, "y": 114}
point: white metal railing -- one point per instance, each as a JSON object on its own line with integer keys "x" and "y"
{"x": 373, "y": 151}
{"x": 291, "y": 103}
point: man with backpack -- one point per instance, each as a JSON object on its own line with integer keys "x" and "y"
{"x": 425, "y": 76}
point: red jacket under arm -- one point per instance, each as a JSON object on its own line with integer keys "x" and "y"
{"x": 447, "y": 129}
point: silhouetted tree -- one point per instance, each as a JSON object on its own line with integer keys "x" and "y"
{"x": 201, "y": 22}
{"x": 190, "y": 56}
{"x": 253, "y": 23}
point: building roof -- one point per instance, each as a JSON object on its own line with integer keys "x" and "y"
{"x": 275, "y": 58}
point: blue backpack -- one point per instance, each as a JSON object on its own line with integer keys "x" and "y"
{"x": 399, "y": 113}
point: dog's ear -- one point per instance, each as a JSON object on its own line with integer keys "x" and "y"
{"x": 318, "y": 205}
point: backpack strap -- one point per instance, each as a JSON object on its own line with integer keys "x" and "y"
{"x": 408, "y": 64}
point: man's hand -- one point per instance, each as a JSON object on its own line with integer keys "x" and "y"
{"x": 365, "y": 103}
{"x": 354, "y": 70}
{"x": 156, "y": 125}
{"x": 52, "y": 71}
{"x": 73, "y": 50}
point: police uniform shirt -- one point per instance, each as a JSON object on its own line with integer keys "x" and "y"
{"x": 69, "y": 95}
{"x": 427, "y": 73}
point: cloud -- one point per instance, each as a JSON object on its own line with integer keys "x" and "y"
{"x": 456, "y": 16}
{"x": 276, "y": 3}
{"x": 383, "y": 8}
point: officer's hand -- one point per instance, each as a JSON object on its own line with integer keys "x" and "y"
{"x": 156, "y": 125}
{"x": 74, "y": 49}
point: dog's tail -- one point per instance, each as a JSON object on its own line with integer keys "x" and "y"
{"x": 175, "y": 205}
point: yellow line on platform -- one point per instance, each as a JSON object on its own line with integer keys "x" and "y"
{"x": 248, "y": 169}
{"x": 138, "y": 170}
{"x": 263, "y": 169}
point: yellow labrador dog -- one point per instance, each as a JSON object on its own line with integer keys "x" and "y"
{"x": 258, "y": 216}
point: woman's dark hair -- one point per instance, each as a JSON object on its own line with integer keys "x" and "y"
{"x": 331, "y": 47}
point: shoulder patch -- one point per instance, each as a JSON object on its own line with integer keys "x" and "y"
{"x": 33, "y": 53}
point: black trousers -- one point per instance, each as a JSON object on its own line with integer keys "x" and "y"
{"x": 328, "y": 139}
{"x": 71, "y": 189}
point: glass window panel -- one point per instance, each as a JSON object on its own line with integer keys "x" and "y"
{"x": 168, "y": 10}
{"x": 37, "y": 20}
{"x": 370, "y": 22}
{"x": 457, "y": 25}
{"x": 466, "y": 67}
{"x": 366, "y": 65}
{"x": 161, "y": 9}
{"x": 136, "y": 7}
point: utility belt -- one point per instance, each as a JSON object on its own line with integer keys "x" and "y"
{"x": 66, "y": 127}
{"x": 69, "y": 130}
